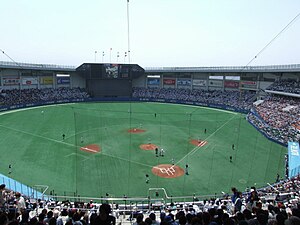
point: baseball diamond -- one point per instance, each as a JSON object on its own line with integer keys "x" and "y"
{"x": 102, "y": 153}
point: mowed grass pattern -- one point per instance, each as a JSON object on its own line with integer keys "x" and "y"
{"x": 32, "y": 143}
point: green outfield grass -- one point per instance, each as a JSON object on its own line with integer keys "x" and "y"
{"x": 31, "y": 141}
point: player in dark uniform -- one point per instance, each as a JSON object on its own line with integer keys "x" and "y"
{"x": 9, "y": 169}
{"x": 186, "y": 169}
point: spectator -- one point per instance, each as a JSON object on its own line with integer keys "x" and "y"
{"x": 2, "y": 197}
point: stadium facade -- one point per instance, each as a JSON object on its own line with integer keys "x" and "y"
{"x": 119, "y": 83}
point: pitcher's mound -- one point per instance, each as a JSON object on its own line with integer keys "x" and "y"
{"x": 167, "y": 171}
{"x": 135, "y": 130}
{"x": 148, "y": 147}
{"x": 199, "y": 143}
{"x": 93, "y": 148}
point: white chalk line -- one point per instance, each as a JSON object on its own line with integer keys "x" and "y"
{"x": 198, "y": 147}
{"x": 71, "y": 145}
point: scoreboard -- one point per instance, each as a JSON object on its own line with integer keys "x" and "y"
{"x": 110, "y": 71}
{"x": 110, "y": 80}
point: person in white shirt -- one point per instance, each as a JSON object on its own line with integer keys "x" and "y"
{"x": 20, "y": 201}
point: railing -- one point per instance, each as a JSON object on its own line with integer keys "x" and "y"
{"x": 155, "y": 195}
{"x": 144, "y": 203}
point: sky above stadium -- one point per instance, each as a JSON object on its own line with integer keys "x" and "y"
{"x": 162, "y": 32}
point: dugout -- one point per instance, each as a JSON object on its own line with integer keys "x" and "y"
{"x": 109, "y": 80}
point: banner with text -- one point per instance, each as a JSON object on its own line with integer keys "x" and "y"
{"x": 153, "y": 81}
{"x": 169, "y": 81}
{"x": 249, "y": 84}
{"x": 231, "y": 84}
{"x": 215, "y": 83}
{"x": 11, "y": 81}
{"x": 199, "y": 82}
{"x": 294, "y": 159}
{"x": 29, "y": 80}
{"x": 184, "y": 82}
{"x": 46, "y": 80}
{"x": 63, "y": 80}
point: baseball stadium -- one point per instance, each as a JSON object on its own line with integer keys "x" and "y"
{"x": 112, "y": 141}
{"x": 137, "y": 132}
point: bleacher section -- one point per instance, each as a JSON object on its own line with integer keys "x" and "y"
{"x": 27, "y": 96}
{"x": 288, "y": 86}
{"x": 239, "y": 100}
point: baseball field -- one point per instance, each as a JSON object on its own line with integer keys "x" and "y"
{"x": 94, "y": 149}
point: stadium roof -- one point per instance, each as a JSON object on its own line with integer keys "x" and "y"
{"x": 229, "y": 69}
{"x": 24, "y": 66}
{"x": 217, "y": 69}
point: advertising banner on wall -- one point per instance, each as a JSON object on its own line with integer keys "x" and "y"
{"x": 294, "y": 159}
{"x": 153, "y": 81}
{"x": 46, "y": 80}
{"x": 63, "y": 80}
{"x": 231, "y": 84}
{"x": 249, "y": 84}
{"x": 197, "y": 82}
{"x": 184, "y": 82}
{"x": 169, "y": 81}
{"x": 29, "y": 80}
{"x": 10, "y": 81}
{"x": 215, "y": 83}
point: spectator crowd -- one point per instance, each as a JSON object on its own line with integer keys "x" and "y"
{"x": 237, "y": 99}
{"x": 287, "y": 86}
{"x": 33, "y": 95}
{"x": 278, "y": 204}
{"x": 278, "y": 117}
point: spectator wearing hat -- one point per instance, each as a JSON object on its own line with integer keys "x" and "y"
{"x": 252, "y": 199}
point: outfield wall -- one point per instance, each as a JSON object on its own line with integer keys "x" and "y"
{"x": 125, "y": 99}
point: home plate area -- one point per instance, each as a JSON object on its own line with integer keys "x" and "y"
{"x": 167, "y": 171}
